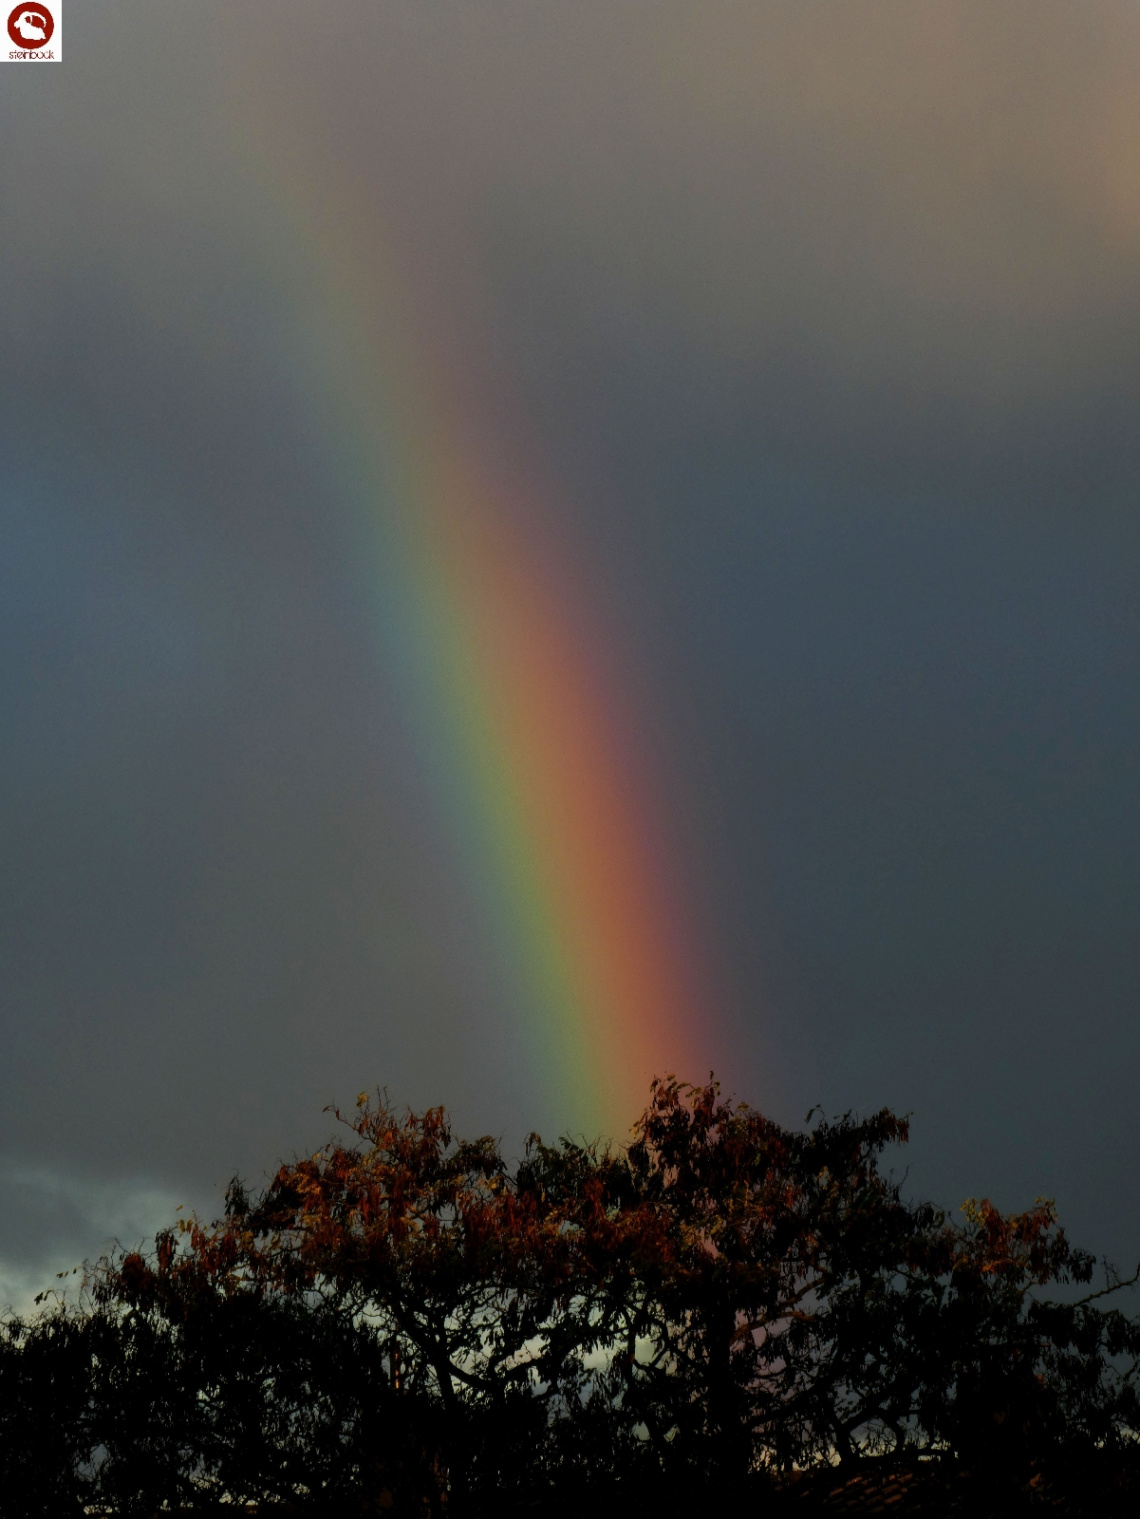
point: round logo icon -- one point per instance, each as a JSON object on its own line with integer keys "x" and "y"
{"x": 31, "y": 25}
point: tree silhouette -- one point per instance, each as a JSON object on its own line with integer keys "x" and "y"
{"x": 404, "y": 1321}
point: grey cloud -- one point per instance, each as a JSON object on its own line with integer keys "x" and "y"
{"x": 821, "y": 322}
{"x": 55, "y": 1222}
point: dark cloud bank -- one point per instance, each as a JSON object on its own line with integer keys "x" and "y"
{"x": 824, "y": 323}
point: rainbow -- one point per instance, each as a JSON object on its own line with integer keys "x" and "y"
{"x": 545, "y": 791}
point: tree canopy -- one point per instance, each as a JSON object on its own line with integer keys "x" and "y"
{"x": 405, "y": 1321}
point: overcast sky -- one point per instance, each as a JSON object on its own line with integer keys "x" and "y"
{"x": 820, "y": 324}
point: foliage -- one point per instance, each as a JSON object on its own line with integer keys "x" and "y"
{"x": 404, "y": 1321}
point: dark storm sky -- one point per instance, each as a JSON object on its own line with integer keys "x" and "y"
{"x": 823, "y": 322}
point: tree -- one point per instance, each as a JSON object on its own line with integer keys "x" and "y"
{"x": 404, "y": 1320}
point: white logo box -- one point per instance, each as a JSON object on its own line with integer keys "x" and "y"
{"x": 33, "y": 33}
